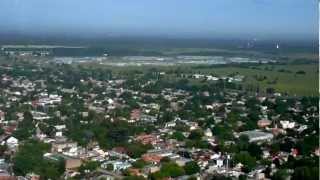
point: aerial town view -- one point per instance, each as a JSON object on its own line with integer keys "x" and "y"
{"x": 159, "y": 90}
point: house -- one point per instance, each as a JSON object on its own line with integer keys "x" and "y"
{"x": 148, "y": 118}
{"x": 193, "y": 125}
{"x": 39, "y": 116}
{"x": 212, "y": 78}
{"x": 60, "y": 127}
{"x": 135, "y": 114}
{"x": 265, "y": 154}
{"x": 287, "y": 124}
{"x": 120, "y": 150}
{"x": 32, "y": 176}
{"x": 170, "y": 124}
{"x": 208, "y": 132}
{"x": 6, "y": 176}
{"x": 72, "y": 163}
{"x": 152, "y": 158}
{"x": 12, "y": 142}
{"x": 181, "y": 161}
{"x": 147, "y": 139}
{"x": 110, "y": 101}
{"x": 150, "y": 169}
{"x": 263, "y": 123}
{"x": 198, "y": 76}
{"x": 60, "y": 145}
{"x": 2, "y": 116}
{"x": 209, "y": 107}
{"x": 117, "y": 165}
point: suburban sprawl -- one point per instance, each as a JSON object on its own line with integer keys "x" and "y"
{"x": 138, "y": 117}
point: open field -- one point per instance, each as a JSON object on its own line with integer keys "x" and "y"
{"x": 283, "y": 78}
{"x": 288, "y": 81}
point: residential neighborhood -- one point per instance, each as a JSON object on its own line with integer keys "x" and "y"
{"x": 65, "y": 122}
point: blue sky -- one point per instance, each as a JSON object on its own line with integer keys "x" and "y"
{"x": 197, "y": 18}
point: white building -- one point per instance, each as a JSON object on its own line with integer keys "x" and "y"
{"x": 257, "y": 135}
{"x": 287, "y": 124}
{"x": 12, "y": 142}
{"x": 208, "y": 132}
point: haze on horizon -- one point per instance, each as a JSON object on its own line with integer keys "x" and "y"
{"x": 292, "y": 19}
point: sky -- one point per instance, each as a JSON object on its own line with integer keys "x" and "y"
{"x": 188, "y": 18}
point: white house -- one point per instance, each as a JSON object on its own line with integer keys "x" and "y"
{"x": 117, "y": 165}
{"x": 170, "y": 124}
{"x": 12, "y": 142}
{"x": 287, "y": 124}
{"x": 208, "y": 133}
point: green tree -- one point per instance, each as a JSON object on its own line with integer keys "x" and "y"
{"x": 191, "y": 168}
{"x": 110, "y": 167}
{"x": 172, "y": 170}
{"x": 91, "y": 166}
{"x": 255, "y": 150}
{"x": 305, "y": 173}
{"x": 25, "y": 128}
{"x": 139, "y": 164}
{"x": 243, "y": 143}
{"x": 281, "y": 174}
{"x": 134, "y": 178}
{"x": 196, "y": 134}
{"x": 178, "y": 136}
{"x": 246, "y": 159}
{"x": 135, "y": 150}
{"x": 29, "y": 158}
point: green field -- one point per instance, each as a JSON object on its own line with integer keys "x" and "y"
{"x": 290, "y": 82}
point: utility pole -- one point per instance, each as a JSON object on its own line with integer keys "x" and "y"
{"x": 228, "y": 157}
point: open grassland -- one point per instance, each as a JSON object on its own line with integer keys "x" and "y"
{"x": 283, "y": 78}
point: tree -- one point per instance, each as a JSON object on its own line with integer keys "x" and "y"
{"x": 166, "y": 117}
{"x": 1, "y": 131}
{"x": 220, "y": 177}
{"x": 243, "y": 142}
{"x": 178, "y": 136}
{"x": 171, "y": 170}
{"x": 29, "y": 158}
{"x": 25, "y": 127}
{"x": 157, "y": 175}
{"x": 196, "y": 134}
{"x": 301, "y": 72}
{"x": 110, "y": 167}
{"x": 135, "y": 150}
{"x": 281, "y": 174}
{"x": 191, "y": 168}
{"x": 308, "y": 144}
{"x": 89, "y": 166}
{"x": 3, "y": 149}
{"x": 242, "y": 177}
{"x": 134, "y": 178}
{"x": 270, "y": 90}
{"x": 305, "y": 173}
{"x": 223, "y": 132}
{"x": 246, "y": 159}
{"x": 255, "y": 150}
{"x": 139, "y": 164}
